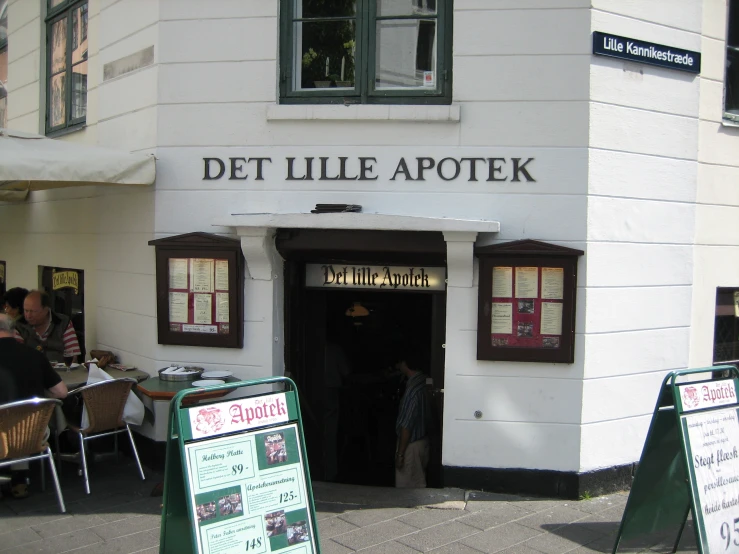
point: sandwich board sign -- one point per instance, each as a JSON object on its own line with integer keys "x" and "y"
{"x": 690, "y": 462}
{"x": 236, "y": 475}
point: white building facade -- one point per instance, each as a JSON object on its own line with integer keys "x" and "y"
{"x": 634, "y": 164}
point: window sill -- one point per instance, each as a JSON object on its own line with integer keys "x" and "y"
{"x": 66, "y": 131}
{"x": 364, "y": 112}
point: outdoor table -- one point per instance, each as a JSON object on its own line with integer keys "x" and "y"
{"x": 157, "y": 395}
{"x": 77, "y": 377}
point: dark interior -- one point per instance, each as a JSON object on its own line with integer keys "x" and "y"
{"x": 358, "y": 409}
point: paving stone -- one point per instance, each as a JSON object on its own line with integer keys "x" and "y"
{"x": 519, "y": 549}
{"x": 483, "y": 496}
{"x": 329, "y": 546}
{"x": 601, "y": 546}
{"x": 17, "y": 537}
{"x": 501, "y": 537}
{"x": 362, "y": 518}
{"x": 438, "y": 535}
{"x": 563, "y": 539}
{"x": 12, "y": 521}
{"x": 128, "y": 526}
{"x": 537, "y": 504}
{"x": 426, "y": 518}
{"x": 455, "y": 548}
{"x": 600, "y": 503}
{"x": 335, "y": 526}
{"x": 145, "y": 506}
{"x": 552, "y": 518}
{"x": 61, "y": 526}
{"x": 390, "y": 547}
{"x": 127, "y": 544}
{"x": 487, "y": 519}
{"x": 60, "y": 543}
{"x": 374, "y": 534}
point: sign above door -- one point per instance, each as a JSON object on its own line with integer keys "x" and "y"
{"x": 375, "y": 277}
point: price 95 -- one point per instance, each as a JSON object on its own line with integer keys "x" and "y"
{"x": 726, "y": 533}
{"x": 237, "y": 469}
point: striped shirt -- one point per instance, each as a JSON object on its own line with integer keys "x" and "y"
{"x": 414, "y": 408}
{"x": 71, "y": 344}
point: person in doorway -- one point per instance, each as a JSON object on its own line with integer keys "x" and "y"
{"x": 13, "y": 302}
{"x": 24, "y": 373}
{"x": 336, "y": 370}
{"x": 412, "y": 427}
{"x": 47, "y": 331}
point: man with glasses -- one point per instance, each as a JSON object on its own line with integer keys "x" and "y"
{"x": 47, "y": 331}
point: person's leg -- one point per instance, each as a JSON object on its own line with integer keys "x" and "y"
{"x": 413, "y": 472}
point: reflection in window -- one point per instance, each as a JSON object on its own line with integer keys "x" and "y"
{"x": 726, "y": 326}
{"x": 370, "y": 50}
{"x": 3, "y": 63}
{"x": 67, "y": 65}
{"x": 731, "y": 83}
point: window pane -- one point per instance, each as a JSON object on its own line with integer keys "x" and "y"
{"x": 4, "y": 87}
{"x": 387, "y": 8}
{"x": 57, "y": 106}
{"x": 732, "y": 81}
{"x": 79, "y": 90}
{"x": 3, "y": 21}
{"x": 59, "y": 46}
{"x": 734, "y": 23}
{"x": 406, "y": 53}
{"x": 55, "y": 3}
{"x": 79, "y": 34}
{"x": 325, "y": 8}
{"x": 324, "y": 54}
{"x": 726, "y": 326}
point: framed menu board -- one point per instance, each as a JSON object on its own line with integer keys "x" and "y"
{"x": 200, "y": 283}
{"x": 526, "y": 307}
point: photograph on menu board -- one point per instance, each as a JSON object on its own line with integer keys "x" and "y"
{"x": 277, "y": 448}
{"x": 294, "y": 529}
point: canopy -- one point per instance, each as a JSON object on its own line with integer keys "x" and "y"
{"x": 34, "y": 162}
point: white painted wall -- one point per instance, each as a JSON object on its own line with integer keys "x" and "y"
{"x": 642, "y": 182}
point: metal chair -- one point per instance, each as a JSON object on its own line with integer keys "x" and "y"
{"x": 24, "y": 430}
{"x": 104, "y": 402}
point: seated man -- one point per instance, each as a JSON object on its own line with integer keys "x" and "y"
{"x": 13, "y": 302}
{"x": 24, "y": 373}
{"x": 47, "y": 331}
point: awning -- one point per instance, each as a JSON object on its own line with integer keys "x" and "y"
{"x": 379, "y": 222}
{"x": 34, "y": 162}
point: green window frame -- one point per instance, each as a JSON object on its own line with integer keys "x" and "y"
{"x": 425, "y": 59}
{"x": 66, "y": 65}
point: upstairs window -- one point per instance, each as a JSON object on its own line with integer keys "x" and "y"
{"x": 731, "y": 83}
{"x": 366, "y": 51}
{"x": 3, "y": 63}
{"x": 66, "y": 90}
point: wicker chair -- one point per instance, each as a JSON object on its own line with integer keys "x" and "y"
{"x": 24, "y": 433}
{"x": 104, "y": 402}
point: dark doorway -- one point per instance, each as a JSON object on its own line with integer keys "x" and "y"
{"x": 349, "y": 388}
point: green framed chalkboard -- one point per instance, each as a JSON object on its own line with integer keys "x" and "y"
{"x": 689, "y": 463}
{"x": 236, "y": 475}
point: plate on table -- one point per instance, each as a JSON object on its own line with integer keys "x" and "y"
{"x": 218, "y": 374}
{"x": 207, "y": 383}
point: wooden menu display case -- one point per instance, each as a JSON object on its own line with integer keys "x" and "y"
{"x": 526, "y": 305}
{"x": 200, "y": 290}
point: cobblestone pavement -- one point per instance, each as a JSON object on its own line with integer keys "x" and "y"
{"x": 121, "y": 516}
